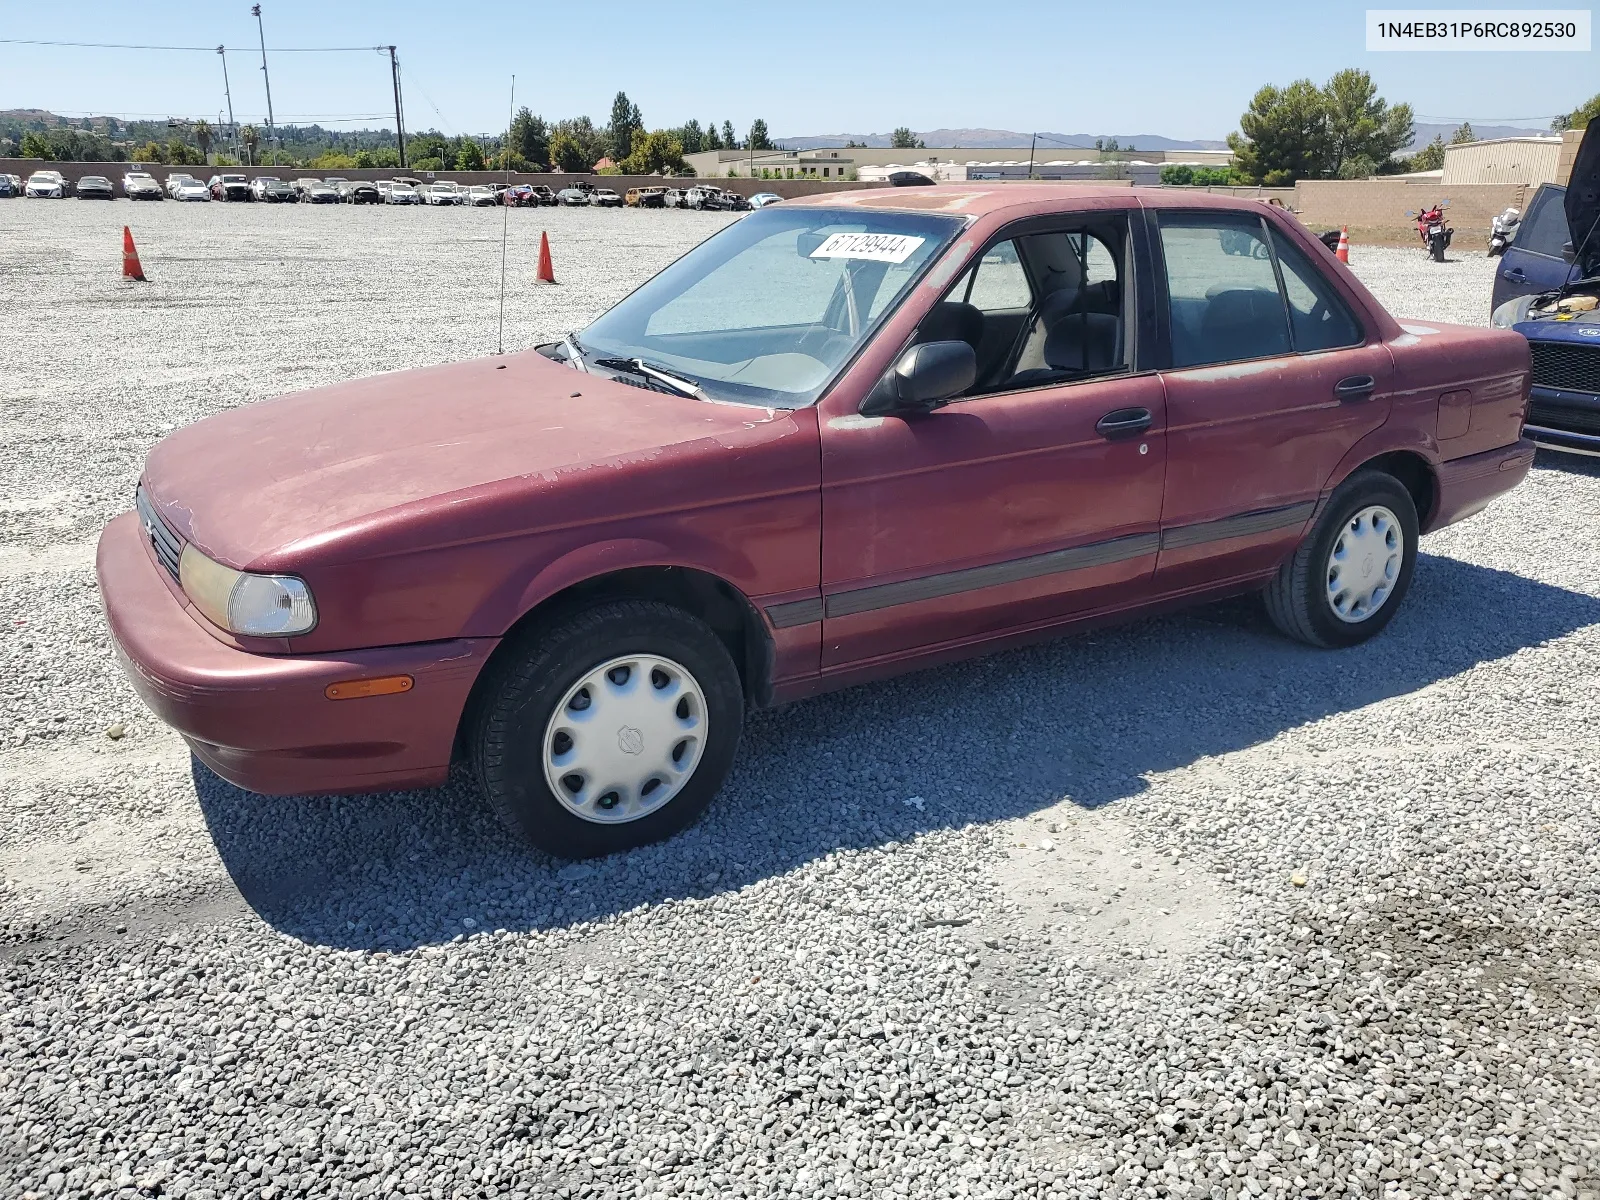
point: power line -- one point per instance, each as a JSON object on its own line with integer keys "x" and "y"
{"x": 197, "y": 49}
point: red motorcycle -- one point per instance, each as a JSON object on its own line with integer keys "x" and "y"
{"x": 1435, "y": 234}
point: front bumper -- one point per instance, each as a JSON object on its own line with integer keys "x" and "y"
{"x": 261, "y": 721}
{"x": 1467, "y": 485}
{"x": 1566, "y": 420}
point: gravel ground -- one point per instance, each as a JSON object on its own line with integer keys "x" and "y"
{"x": 1175, "y": 909}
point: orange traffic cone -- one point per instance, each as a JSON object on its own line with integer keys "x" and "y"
{"x": 130, "y": 257}
{"x": 1343, "y": 252}
{"x": 547, "y": 273}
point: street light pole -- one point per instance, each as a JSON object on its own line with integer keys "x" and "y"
{"x": 399, "y": 124}
{"x": 222, "y": 52}
{"x": 1031, "y": 146}
{"x": 255, "y": 11}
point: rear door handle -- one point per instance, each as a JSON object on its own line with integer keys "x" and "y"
{"x": 1514, "y": 273}
{"x": 1123, "y": 422}
{"x": 1355, "y": 387}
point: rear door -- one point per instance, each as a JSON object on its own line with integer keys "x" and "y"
{"x": 1272, "y": 380}
{"x": 1534, "y": 262}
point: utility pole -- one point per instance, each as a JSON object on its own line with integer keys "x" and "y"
{"x": 1031, "y": 147}
{"x": 399, "y": 124}
{"x": 255, "y": 11}
{"x": 233, "y": 129}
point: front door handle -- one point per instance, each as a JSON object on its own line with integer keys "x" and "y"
{"x": 1515, "y": 274}
{"x": 1355, "y": 387}
{"x": 1123, "y": 422}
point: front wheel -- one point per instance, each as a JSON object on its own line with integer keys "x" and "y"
{"x": 610, "y": 730}
{"x": 1346, "y": 580}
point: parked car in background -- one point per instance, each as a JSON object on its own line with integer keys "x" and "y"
{"x": 230, "y": 187}
{"x": 706, "y": 196}
{"x": 519, "y": 195}
{"x": 647, "y": 197}
{"x": 359, "y": 191}
{"x": 95, "y": 187}
{"x": 480, "y": 195}
{"x": 909, "y": 179}
{"x": 402, "y": 193}
{"x": 572, "y": 197}
{"x": 612, "y": 581}
{"x": 411, "y": 182}
{"x": 8, "y": 189}
{"x": 762, "y": 199}
{"x": 443, "y": 192}
{"x": 274, "y": 190}
{"x": 16, "y": 185}
{"x": 176, "y": 180}
{"x": 1558, "y": 244}
{"x": 319, "y": 191}
{"x": 543, "y": 194}
{"x": 672, "y": 198}
{"x": 605, "y": 198}
{"x": 735, "y": 201}
{"x": 141, "y": 185}
{"x": 191, "y": 189}
{"x": 46, "y": 185}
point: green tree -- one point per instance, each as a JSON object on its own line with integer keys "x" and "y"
{"x": 1177, "y": 175}
{"x": 567, "y": 154}
{"x": 1430, "y": 157}
{"x": 150, "y": 152}
{"x": 530, "y": 138}
{"x": 592, "y": 143}
{"x": 903, "y": 139}
{"x": 653, "y": 153}
{"x": 1283, "y": 135}
{"x": 1361, "y": 125}
{"x": 250, "y": 138}
{"x": 34, "y": 146}
{"x": 625, "y": 119}
{"x": 690, "y": 136}
{"x": 729, "y": 142}
{"x": 1463, "y": 134}
{"x": 758, "y": 139}
{"x": 202, "y": 138}
{"x": 1579, "y": 117}
{"x": 470, "y": 156}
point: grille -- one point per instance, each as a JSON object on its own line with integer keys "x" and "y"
{"x": 167, "y": 545}
{"x": 1566, "y": 365}
{"x": 1569, "y": 417}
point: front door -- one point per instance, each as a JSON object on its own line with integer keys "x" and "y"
{"x": 1273, "y": 380}
{"x": 1034, "y": 497}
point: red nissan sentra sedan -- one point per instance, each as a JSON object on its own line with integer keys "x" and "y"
{"x": 847, "y": 436}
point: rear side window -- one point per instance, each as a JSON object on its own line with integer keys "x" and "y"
{"x": 1544, "y": 230}
{"x": 1318, "y": 319}
{"x": 1222, "y": 290}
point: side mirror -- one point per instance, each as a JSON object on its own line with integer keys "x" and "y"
{"x": 924, "y": 377}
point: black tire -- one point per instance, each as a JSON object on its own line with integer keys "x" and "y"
{"x": 1438, "y": 249}
{"x": 1297, "y": 598}
{"x": 530, "y": 679}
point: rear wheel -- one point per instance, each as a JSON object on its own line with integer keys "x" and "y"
{"x": 610, "y": 730}
{"x": 1346, "y": 580}
{"x": 1437, "y": 249}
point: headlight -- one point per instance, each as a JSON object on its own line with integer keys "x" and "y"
{"x": 251, "y": 605}
{"x": 1511, "y": 312}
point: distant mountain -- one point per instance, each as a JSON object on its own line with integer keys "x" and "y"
{"x": 1426, "y": 133}
{"x": 990, "y": 139}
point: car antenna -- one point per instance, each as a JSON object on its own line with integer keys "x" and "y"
{"x": 505, "y": 216}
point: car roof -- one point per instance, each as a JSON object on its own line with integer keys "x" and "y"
{"x": 980, "y": 199}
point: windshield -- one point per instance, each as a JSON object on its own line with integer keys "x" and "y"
{"x": 767, "y": 311}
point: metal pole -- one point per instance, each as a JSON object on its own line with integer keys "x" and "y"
{"x": 1031, "y": 146}
{"x": 255, "y": 11}
{"x": 233, "y": 129}
{"x": 399, "y": 126}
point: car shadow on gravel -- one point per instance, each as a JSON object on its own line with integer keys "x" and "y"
{"x": 1087, "y": 718}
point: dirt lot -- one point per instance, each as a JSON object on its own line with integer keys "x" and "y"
{"x": 1177, "y": 909}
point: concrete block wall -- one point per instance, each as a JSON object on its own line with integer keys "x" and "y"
{"x": 1375, "y": 209}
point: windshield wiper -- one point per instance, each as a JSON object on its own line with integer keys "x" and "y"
{"x": 637, "y": 366}
{"x": 574, "y": 354}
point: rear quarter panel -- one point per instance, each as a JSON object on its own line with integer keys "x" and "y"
{"x": 1464, "y": 385}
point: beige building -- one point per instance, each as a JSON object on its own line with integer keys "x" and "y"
{"x": 842, "y": 163}
{"x": 1531, "y": 160}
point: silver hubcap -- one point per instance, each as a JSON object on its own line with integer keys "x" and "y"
{"x": 625, "y": 738}
{"x": 1365, "y": 564}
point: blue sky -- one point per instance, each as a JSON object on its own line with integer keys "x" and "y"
{"x": 1181, "y": 69}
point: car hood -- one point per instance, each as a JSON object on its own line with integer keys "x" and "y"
{"x": 266, "y": 485}
{"x": 1583, "y": 191}
{"x": 1581, "y": 328}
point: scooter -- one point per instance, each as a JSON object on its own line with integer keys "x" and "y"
{"x": 1435, "y": 234}
{"x": 1502, "y": 231}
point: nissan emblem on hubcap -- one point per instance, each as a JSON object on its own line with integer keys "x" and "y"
{"x": 630, "y": 740}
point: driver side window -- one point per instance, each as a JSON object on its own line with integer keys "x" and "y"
{"x": 1041, "y": 309}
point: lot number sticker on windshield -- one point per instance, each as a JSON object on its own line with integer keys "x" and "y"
{"x": 876, "y": 247}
